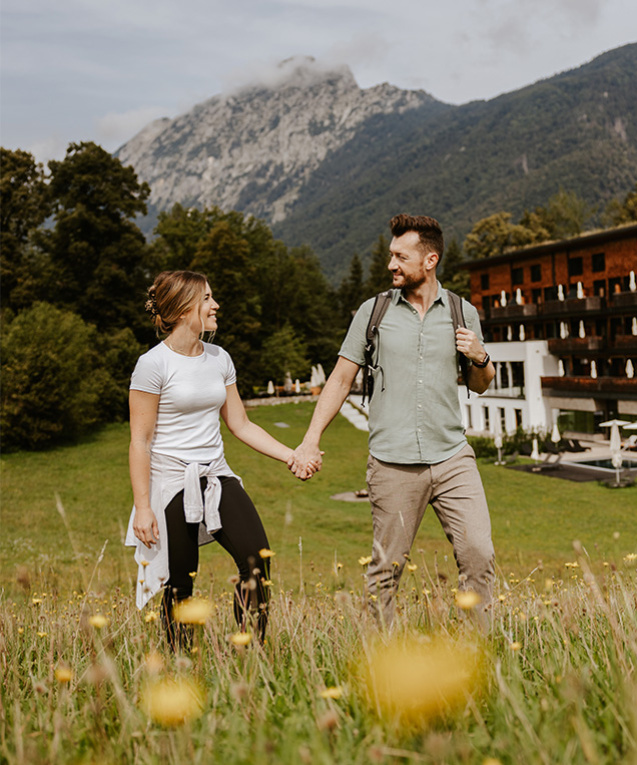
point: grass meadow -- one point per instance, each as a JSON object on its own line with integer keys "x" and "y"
{"x": 86, "y": 678}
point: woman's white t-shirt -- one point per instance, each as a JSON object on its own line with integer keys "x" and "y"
{"x": 192, "y": 390}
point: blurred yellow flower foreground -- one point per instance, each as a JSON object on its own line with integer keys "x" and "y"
{"x": 193, "y": 611}
{"x": 173, "y": 702}
{"x": 419, "y": 680}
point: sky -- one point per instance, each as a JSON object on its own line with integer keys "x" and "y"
{"x": 100, "y": 70}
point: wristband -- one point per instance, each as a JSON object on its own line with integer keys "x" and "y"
{"x": 482, "y": 364}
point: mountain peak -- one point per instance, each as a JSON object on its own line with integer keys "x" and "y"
{"x": 299, "y": 72}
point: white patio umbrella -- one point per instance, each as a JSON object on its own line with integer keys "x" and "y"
{"x": 634, "y": 326}
{"x": 630, "y": 370}
{"x": 594, "y": 370}
{"x": 615, "y": 443}
{"x": 297, "y": 386}
{"x": 270, "y": 388}
{"x": 518, "y": 296}
{"x": 560, "y": 292}
{"x": 580, "y": 290}
{"x": 563, "y": 330}
{"x": 497, "y": 441}
{"x": 556, "y": 436}
{"x": 535, "y": 452}
{"x": 560, "y": 368}
{"x": 509, "y": 332}
{"x": 582, "y": 329}
{"x": 522, "y": 332}
{"x": 632, "y": 284}
{"x": 321, "y": 374}
{"x": 503, "y": 299}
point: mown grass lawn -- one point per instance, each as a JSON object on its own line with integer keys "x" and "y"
{"x": 535, "y": 518}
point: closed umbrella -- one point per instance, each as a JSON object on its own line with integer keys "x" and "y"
{"x": 560, "y": 368}
{"x": 556, "y": 436}
{"x": 270, "y": 388}
{"x": 615, "y": 443}
{"x": 509, "y": 332}
{"x": 518, "y": 296}
{"x": 632, "y": 284}
{"x": 522, "y": 332}
{"x": 563, "y": 330}
{"x": 497, "y": 441}
{"x": 560, "y": 292}
{"x": 634, "y": 326}
{"x": 535, "y": 453}
{"x": 594, "y": 370}
{"x": 582, "y": 329}
{"x": 580, "y": 290}
{"x": 297, "y": 386}
{"x": 503, "y": 299}
{"x": 630, "y": 370}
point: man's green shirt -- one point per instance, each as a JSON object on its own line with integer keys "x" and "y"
{"x": 414, "y": 414}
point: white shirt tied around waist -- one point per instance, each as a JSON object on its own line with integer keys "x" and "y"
{"x": 169, "y": 476}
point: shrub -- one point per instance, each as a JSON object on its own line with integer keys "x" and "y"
{"x": 54, "y": 378}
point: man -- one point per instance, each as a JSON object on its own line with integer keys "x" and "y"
{"x": 418, "y": 450}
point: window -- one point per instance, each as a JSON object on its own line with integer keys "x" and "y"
{"x": 537, "y": 295}
{"x": 517, "y": 276}
{"x": 536, "y": 273}
{"x": 518, "y": 418}
{"x": 517, "y": 373}
{"x": 485, "y": 417}
{"x": 486, "y": 302}
{"x": 599, "y": 287}
{"x": 484, "y": 281}
{"x": 503, "y": 419}
{"x": 575, "y": 266}
{"x": 550, "y": 293}
{"x": 599, "y": 261}
{"x": 469, "y": 423}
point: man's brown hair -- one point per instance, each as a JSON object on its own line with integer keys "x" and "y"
{"x": 428, "y": 230}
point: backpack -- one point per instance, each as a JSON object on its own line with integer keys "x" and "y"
{"x": 381, "y": 304}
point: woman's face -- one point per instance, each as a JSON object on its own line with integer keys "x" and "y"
{"x": 202, "y": 318}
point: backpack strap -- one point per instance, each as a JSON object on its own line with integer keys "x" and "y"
{"x": 457, "y": 317}
{"x": 381, "y": 304}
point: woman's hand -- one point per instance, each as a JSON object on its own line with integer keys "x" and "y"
{"x": 145, "y": 527}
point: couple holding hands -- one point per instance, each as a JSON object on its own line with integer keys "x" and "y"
{"x": 185, "y": 494}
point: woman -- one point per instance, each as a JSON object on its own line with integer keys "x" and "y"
{"x": 185, "y": 494}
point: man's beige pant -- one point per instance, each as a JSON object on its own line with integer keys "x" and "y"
{"x": 399, "y": 495}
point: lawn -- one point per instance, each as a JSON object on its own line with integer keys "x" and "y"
{"x": 535, "y": 518}
{"x": 88, "y": 679}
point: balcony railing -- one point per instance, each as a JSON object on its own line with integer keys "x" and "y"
{"x": 590, "y": 386}
{"x": 624, "y": 344}
{"x": 514, "y": 311}
{"x": 572, "y": 305}
{"x": 624, "y": 300}
{"x": 559, "y": 346}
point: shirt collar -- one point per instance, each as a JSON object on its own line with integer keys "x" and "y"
{"x": 441, "y": 295}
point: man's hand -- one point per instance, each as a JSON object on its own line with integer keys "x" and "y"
{"x": 145, "y": 527}
{"x": 467, "y": 342}
{"x": 305, "y": 461}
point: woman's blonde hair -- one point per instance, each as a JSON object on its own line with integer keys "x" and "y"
{"x": 172, "y": 294}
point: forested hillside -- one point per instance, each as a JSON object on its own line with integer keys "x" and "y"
{"x": 576, "y": 131}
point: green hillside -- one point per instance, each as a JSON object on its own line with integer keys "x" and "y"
{"x": 576, "y": 130}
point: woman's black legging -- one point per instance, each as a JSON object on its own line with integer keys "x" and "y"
{"x": 241, "y": 534}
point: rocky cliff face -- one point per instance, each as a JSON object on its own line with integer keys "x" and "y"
{"x": 254, "y": 149}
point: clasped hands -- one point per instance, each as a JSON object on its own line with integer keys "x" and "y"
{"x": 305, "y": 461}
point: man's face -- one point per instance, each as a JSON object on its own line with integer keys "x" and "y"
{"x": 409, "y": 264}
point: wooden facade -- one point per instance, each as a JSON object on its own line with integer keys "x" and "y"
{"x": 580, "y": 296}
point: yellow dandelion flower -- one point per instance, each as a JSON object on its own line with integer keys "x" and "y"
{"x": 266, "y": 582}
{"x": 548, "y": 584}
{"x": 412, "y": 567}
{"x": 332, "y": 693}
{"x": 193, "y": 574}
{"x": 365, "y": 560}
{"x": 241, "y": 638}
{"x": 467, "y": 599}
{"x": 491, "y": 761}
{"x": 502, "y": 598}
{"x": 20, "y": 630}
{"x": 173, "y": 702}
{"x": 63, "y": 674}
{"x": 418, "y": 680}
{"x": 98, "y": 621}
{"x": 265, "y": 553}
{"x": 36, "y": 601}
{"x": 42, "y": 634}
{"x": 151, "y": 616}
{"x": 145, "y": 563}
{"x": 630, "y": 557}
{"x": 193, "y": 611}
{"x": 515, "y": 646}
